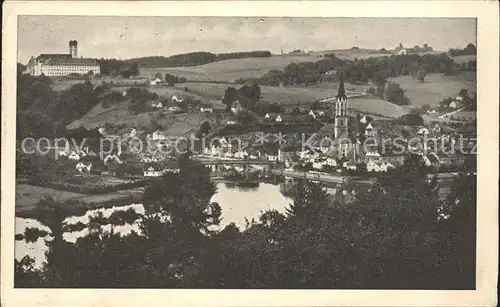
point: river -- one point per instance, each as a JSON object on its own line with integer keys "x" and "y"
{"x": 236, "y": 205}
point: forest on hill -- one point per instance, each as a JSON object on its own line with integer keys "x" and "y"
{"x": 131, "y": 67}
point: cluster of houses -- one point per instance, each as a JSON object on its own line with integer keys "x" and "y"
{"x": 149, "y": 163}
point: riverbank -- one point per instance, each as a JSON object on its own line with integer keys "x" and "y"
{"x": 78, "y": 204}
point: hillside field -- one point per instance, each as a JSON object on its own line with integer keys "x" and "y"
{"x": 464, "y": 58}
{"x": 231, "y": 70}
{"x": 172, "y": 125}
{"x": 436, "y": 87}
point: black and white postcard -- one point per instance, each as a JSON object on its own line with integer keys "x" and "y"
{"x": 153, "y": 152}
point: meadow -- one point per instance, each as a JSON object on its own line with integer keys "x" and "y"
{"x": 27, "y": 196}
{"x": 436, "y": 87}
{"x": 119, "y": 115}
{"x": 231, "y": 70}
{"x": 464, "y": 58}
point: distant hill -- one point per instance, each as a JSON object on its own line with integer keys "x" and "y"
{"x": 194, "y": 58}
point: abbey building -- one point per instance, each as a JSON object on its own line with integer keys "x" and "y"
{"x": 53, "y": 65}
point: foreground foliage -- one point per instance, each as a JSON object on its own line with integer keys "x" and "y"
{"x": 397, "y": 234}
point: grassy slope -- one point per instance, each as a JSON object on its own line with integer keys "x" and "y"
{"x": 178, "y": 124}
{"x": 27, "y": 195}
{"x": 230, "y": 70}
{"x": 436, "y": 87}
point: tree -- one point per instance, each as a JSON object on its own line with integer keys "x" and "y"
{"x": 229, "y": 97}
{"x": 205, "y": 128}
{"x": 134, "y": 69}
{"x": 421, "y": 73}
{"x": 159, "y": 76}
{"x": 395, "y": 94}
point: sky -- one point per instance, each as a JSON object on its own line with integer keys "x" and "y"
{"x": 128, "y": 37}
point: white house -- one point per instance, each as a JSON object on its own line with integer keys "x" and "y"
{"x": 366, "y": 119}
{"x": 273, "y": 116}
{"x": 431, "y": 159}
{"x": 157, "y": 104}
{"x": 83, "y": 167}
{"x": 153, "y": 172}
{"x": 241, "y": 154}
{"x": 331, "y": 161}
{"x": 90, "y": 152}
{"x": 146, "y": 159}
{"x": 455, "y": 104}
{"x": 318, "y": 164}
{"x": 206, "y": 108}
{"x": 176, "y": 99}
{"x": 158, "y": 135}
{"x": 62, "y": 153}
{"x": 423, "y": 131}
{"x": 386, "y": 166}
{"x": 436, "y": 128}
{"x": 155, "y": 81}
{"x": 308, "y": 155}
{"x": 369, "y": 130}
{"x": 232, "y": 121}
{"x": 174, "y": 109}
{"x": 372, "y": 166}
{"x": 74, "y": 156}
{"x": 131, "y": 134}
{"x": 236, "y": 107}
{"x": 350, "y": 165}
{"x": 214, "y": 150}
{"x": 112, "y": 158}
{"x": 272, "y": 157}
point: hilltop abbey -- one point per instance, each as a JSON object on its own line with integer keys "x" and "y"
{"x": 53, "y": 65}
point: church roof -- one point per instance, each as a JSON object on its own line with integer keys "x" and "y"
{"x": 72, "y": 62}
{"x": 48, "y": 56}
{"x": 341, "y": 93}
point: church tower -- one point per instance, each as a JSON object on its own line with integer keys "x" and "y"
{"x": 341, "y": 111}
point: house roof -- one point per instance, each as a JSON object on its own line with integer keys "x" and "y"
{"x": 432, "y": 158}
{"x": 272, "y": 115}
{"x": 206, "y": 105}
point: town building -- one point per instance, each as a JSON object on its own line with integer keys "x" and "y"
{"x": 54, "y": 65}
{"x": 206, "y": 108}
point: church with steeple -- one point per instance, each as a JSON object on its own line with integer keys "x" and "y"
{"x": 344, "y": 145}
{"x": 336, "y": 139}
{"x": 341, "y": 119}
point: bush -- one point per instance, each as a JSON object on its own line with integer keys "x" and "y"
{"x": 32, "y": 235}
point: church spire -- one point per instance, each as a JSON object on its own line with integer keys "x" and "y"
{"x": 341, "y": 94}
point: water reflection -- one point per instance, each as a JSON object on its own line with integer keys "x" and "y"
{"x": 238, "y": 201}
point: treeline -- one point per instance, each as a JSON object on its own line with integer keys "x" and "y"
{"x": 416, "y": 48}
{"x": 361, "y": 71}
{"x": 41, "y": 111}
{"x": 116, "y": 67}
{"x": 398, "y": 234}
{"x": 470, "y": 49}
{"x": 194, "y": 58}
